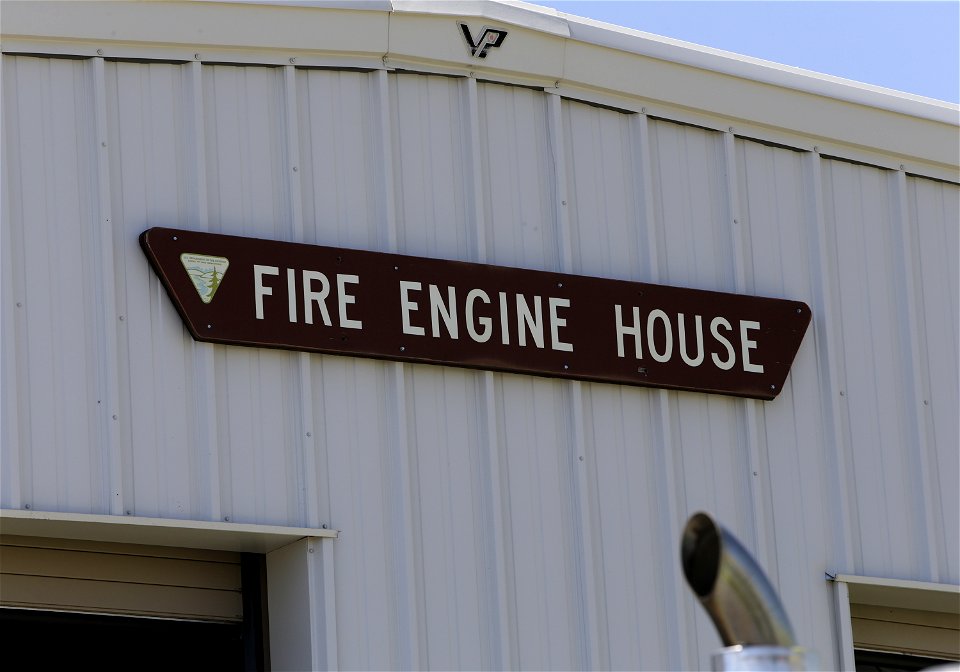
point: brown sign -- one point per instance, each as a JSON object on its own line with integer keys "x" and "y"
{"x": 245, "y": 291}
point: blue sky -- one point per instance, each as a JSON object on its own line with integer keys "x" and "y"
{"x": 907, "y": 46}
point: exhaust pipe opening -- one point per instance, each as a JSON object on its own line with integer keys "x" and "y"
{"x": 700, "y": 554}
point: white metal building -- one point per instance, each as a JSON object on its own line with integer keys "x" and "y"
{"x": 411, "y": 516}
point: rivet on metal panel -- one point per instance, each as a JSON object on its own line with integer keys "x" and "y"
{"x": 309, "y": 433}
{"x": 559, "y": 284}
{"x": 324, "y": 526}
{"x": 642, "y": 369}
{"x": 103, "y": 144}
{"x": 736, "y": 221}
{"x": 196, "y": 57}
{"x": 402, "y": 348}
{"x": 556, "y": 84}
{"x": 293, "y": 59}
{"x": 643, "y": 110}
{"x": 174, "y": 237}
{"x": 19, "y": 305}
{"x": 226, "y": 519}
{"x": 310, "y": 550}
{"x": 121, "y": 318}
{"x": 472, "y": 74}
{"x": 730, "y": 129}
{"x": 99, "y": 52}
{"x": 396, "y": 268}
{"x": 754, "y": 473}
{"x": 816, "y": 149}
{"x": 26, "y": 506}
{"x": 581, "y": 458}
{"x": 209, "y": 326}
{"x": 566, "y": 367}
{"x": 563, "y": 202}
{"x": 773, "y": 387}
{"x": 926, "y": 402}
{"x": 799, "y": 310}
{"x": 842, "y": 393}
{"x": 129, "y": 513}
{"x": 339, "y": 260}
{"x": 902, "y": 167}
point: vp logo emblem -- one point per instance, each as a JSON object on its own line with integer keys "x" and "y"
{"x": 489, "y": 38}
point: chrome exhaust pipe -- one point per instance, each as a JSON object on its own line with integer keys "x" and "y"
{"x": 741, "y": 602}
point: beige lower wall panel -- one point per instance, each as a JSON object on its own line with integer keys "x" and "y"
{"x": 924, "y": 633}
{"x": 923, "y": 617}
{"x": 56, "y": 594}
{"x": 206, "y": 555}
{"x": 99, "y": 580}
{"x": 120, "y": 568}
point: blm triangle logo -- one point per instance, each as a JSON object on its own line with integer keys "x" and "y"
{"x": 206, "y": 272}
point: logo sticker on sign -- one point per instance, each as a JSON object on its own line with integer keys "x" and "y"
{"x": 206, "y": 273}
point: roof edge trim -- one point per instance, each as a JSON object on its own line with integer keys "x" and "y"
{"x": 213, "y": 535}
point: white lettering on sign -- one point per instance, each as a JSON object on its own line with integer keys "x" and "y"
{"x": 668, "y": 335}
{"x": 524, "y": 318}
{"x": 623, "y": 330}
{"x": 747, "y": 345}
{"x": 407, "y": 306}
{"x": 556, "y": 322}
{"x": 259, "y": 289}
{"x": 682, "y": 337}
{"x": 292, "y": 295}
{"x": 448, "y": 312}
{"x": 320, "y": 298}
{"x": 310, "y": 296}
{"x": 660, "y": 341}
{"x": 445, "y": 316}
{"x": 485, "y": 322}
{"x": 345, "y": 299}
{"x": 533, "y": 324}
{"x": 504, "y": 325}
{"x": 731, "y": 359}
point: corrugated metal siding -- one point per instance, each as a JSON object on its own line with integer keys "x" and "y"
{"x": 488, "y": 520}
{"x": 795, "y": 471}
{"x": 52, "y": 333}
{"x": 934, "y": 212}
{"x": 164, "y": 395}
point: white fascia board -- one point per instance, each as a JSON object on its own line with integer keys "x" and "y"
{"x": 544, "y": 48}
{"x": 759, "y": 70}
{"x": 855, "y": 118}
{"x": 196, "y": 25}
{"x": 738, "y": 100}
{"x": 638, "y": 42}
{"x": 217, "y": 536}
{"x": 518, "y": 14}
{"x": 359, "y": 5}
